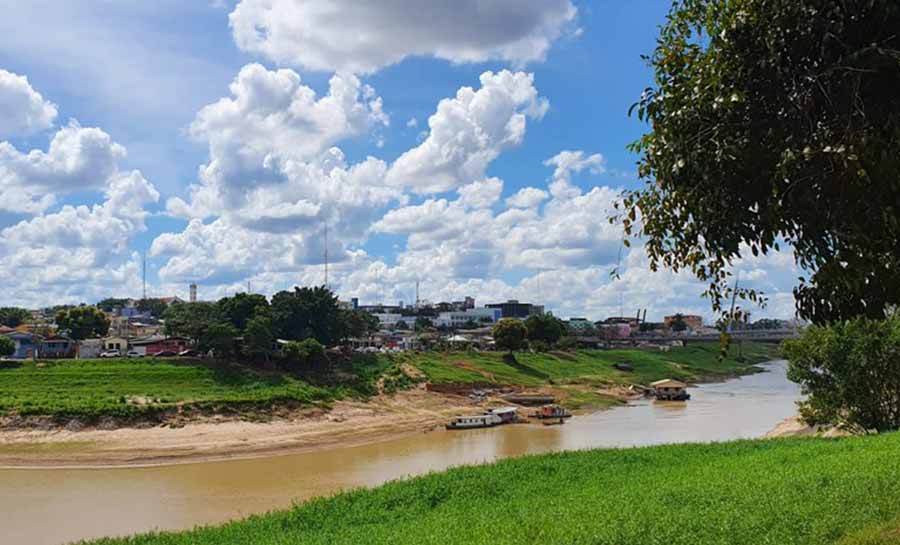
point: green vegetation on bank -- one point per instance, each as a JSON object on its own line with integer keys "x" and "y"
{"x": 140, "y": 388}
{"x": 693, "y": 362}
{"x": 787, "y": 491}
{"x": 137, "y": 388}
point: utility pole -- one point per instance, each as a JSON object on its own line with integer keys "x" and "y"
{"x": 417, "y": 294}
{"x": 144, "y": 276}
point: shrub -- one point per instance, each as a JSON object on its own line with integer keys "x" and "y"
{"x": 850, "y": 372}
{"x": 306, "y": 355}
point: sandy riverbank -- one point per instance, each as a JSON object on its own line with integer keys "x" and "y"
{"x": 348, "y": 423}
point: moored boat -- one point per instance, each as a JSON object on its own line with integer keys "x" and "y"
{"x": 474, "y": 421}
{"x": 506, "y": 414}
{"x": 551, "y": 411}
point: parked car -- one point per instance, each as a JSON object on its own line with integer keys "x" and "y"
{"x": 165, "y": 354}
{"x": 134, "y": 354}
{"x": 110, "y": 354}
{"x": 189, "y": 354}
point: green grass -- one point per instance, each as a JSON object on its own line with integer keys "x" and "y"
{"x": 130, "y": 388}
{"x": 142, "y": 388}
{"x": 694, "y": 362}
{"x": 777, "y": 492}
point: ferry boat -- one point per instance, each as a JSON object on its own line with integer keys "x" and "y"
{"x": 475, "y": 421}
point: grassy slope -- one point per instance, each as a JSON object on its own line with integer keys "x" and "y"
{"x": 94, "y": 388}
{"x": 779, "y": 492}
{"x": 691, "y": 363}
{"x": 90, "y": 389}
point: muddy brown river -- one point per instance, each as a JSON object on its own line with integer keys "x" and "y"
{"x": 54, "y": 506}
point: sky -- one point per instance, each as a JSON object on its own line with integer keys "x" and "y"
{"x": 473, "y": 146}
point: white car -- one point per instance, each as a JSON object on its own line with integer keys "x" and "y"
{"x": 110, "y": 354}
{"x": 134, "y": 354}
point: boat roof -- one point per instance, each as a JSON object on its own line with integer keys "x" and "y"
{"x": 498, "y": 410}
{"x": 669, "y": 382}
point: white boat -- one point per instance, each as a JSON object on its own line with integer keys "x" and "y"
{"x": 506, "y": 414}
{"x": 475, "y": 421}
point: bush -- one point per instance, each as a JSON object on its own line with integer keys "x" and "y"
{"x": 306, "y": 355}
{"x": 539, "y": 345}
{"x": 7, "y": 346}
{"x": 850, "y": 372}
{"x": 509, "y": 334}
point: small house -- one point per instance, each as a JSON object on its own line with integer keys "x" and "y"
{"x": 670, "y": 390}
{"x": 56, "y": 347}
{"x": 155, "y": 344}
{"x": 90, "y": 348}
{"x": 115, "y": 343}
{"x": 27, "y": 344}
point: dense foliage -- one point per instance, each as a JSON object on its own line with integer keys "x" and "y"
{"x": 242, "y": 307}
{"x": 850, "y": 372}
{"x": 82, "y": 322}
{"x": 306, "y": 313}
{"x": 544, "y": 328}
{"x": 155, "y": 306}
{"x": 509, "y": 334}
{"x": 13, "y": 316}
{"x": 7, "y": 346}
{"x": 190, "y": 320}
{"x": 307, "y": 355}
{"x": 785, "y": 492}
{"x": 772, "y": 122}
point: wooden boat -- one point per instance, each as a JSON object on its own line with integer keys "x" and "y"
{"x": 506, "y": 414}
{"x": 670, "y": 390}
{"x": 551, "y": 411}
{"x": 554, "y": 422}
{"x": 526, "y": 399}
{"x": 475, "y": 421}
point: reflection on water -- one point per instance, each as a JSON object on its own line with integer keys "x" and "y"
{"x": 56, "y": 506}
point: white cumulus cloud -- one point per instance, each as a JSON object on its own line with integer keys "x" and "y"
{"x": 362, "y": 37}
{"x": 23, "y": 111}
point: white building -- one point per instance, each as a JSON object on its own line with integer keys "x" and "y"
{"x": 459, "y": 318}
{"x": 390, "y": 320}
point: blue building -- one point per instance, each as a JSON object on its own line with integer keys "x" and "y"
{"x": 57, "y": 347}
{"x": 27, "y": 344}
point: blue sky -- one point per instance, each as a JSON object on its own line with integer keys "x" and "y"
{"x": 221, "y": 137}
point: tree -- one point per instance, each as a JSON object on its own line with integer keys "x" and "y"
{"x": 82, "y": 322}
{"x": 156, "y": 307}
{"x": 356, "y": 324}
{"x": 306, "y": 355}
{"x": 13, "y": 316}
{"x": 850, "y": 373}
{"x": 219, "y": 338}
{"x": 509, "y": 334}
{"x": 258, "y": 337}
{"x": 773, "y": 122}
{"x": 545, "y": 328}
{"x": 190, "y": 320}
{"x": 111, "y": 303}
{"x": 678, "y": 324}
{"x": 470, "y": 324}
{"x": 7, "y": 346}
{"x": 401, "y": 326}
{"x": 423, "y": 323}
{"x": 239, "y": 309}
{"x": 306, "y": 312}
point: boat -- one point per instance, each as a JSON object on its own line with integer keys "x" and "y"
{"x": 475, "y": 421}
{"x": 506, "y": 414}
{"x": 528, "y": 399}
{"x": 551, "y": 411}
{"x": 670, "y": 390}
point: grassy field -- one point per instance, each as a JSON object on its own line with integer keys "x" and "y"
{"x": 135, "y": 388}
{"x": 779, "y": 492}
{"x": 131, "y": 388}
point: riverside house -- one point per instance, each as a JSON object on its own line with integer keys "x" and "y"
{"x": 670, "y": 390}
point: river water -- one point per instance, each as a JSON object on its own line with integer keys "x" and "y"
{"x": 53, "y": 506}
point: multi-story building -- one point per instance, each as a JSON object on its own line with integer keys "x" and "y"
{"x": 458, "y": 318}
{"x": 514, "y": 309}
{"x": 691, "y": 320}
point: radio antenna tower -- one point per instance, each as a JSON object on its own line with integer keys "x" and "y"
{"x": 144, "y": 275}
{"x": 326, "y": 256}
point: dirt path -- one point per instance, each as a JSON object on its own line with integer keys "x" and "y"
{"x": 349, "y": 423}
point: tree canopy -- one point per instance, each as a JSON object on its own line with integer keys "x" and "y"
{"x": 509, "y": 334}
{"x": 850, "y": 372}
{"x": 306, "y": 313}
{"x": 190, "y": 320}
{"x": 7, "y": 346}
{"x": 241, "y": 307}
{"x": 82, "y": 322}
{"x": 544, "y": 327}
{"x": 776, "y": 122}
{"x": 13, "y": 316}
